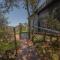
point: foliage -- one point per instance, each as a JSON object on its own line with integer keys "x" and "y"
{"x": 24, "y": 29}
{"x": 31, "y": 5}
{"x": 3, "y": 24}
{"x": 37, "y": 38}
{"x": 46, "y": 49}
{"x": 55, "y": 45}
{"x": 3, "y": 19}
{"x": 7, "y": 5}
{"x": 7, "y": 50}
{"x": 4, "y": 46}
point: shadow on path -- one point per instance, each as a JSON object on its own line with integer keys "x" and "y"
{"x": 27, "y": 53}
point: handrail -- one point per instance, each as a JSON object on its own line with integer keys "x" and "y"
{"x": 46, "y": 29}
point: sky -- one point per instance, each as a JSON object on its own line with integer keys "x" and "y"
{"x": 18, "y": 15}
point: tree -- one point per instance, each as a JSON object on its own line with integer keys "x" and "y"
{"x": 7, "y": 5}
{"x": 31, "y": 6}
{"x": 3, "y": 24}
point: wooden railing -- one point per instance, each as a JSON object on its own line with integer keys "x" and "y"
{"x": 47, "y": 32}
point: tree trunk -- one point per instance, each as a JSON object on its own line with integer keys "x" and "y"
{"x": 27, "y": 6}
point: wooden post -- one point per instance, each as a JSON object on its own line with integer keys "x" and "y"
{"x": 57, "y": 38}
{"x": 15, "y": 41}
{"x": 51, "y": 38}
{"x": 44, "y": 36}
{"x": 20, "y": 30}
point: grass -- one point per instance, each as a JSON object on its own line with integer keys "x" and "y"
{"x": 4, "y": 46}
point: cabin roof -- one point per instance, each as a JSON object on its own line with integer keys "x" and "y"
{"x": 47, "y": 5}
{"x": 43, "y": 7}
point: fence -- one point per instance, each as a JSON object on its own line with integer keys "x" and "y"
{"x": 47, "y": 32}
{"x": 47, "y": 49}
